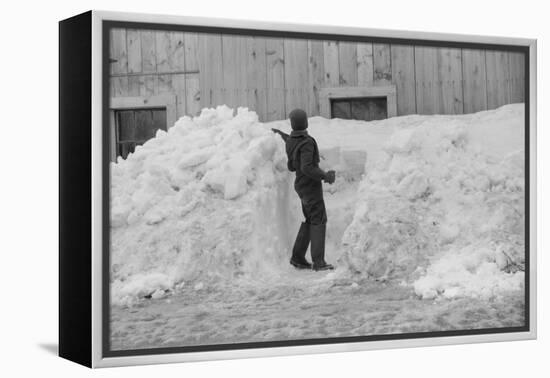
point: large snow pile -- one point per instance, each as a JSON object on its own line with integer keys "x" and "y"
{"x": 444, "y": 210}
{"x": 204, "y": 201}
{"x": 210, "y": 202}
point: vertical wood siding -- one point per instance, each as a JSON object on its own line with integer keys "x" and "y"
{"x": 275, "y": 66}
{"x": 316, "y": 74}
{"x": 475, "y": 80}
{"x": 403, "y": 76}
{"x": 296, "y": 75}
{"x": 365, "y": 68}
{"x": 272, "y": 76}
{"x": 449, "y": 76}
{"x": 498, "y": 77}
{"x": 427, "y": 97}
{"x": 382, "y": 64}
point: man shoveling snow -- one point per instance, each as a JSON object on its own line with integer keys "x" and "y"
{"x": 303, "y": 158}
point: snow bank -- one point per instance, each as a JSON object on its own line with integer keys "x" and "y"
{"x": 444, "y": 209}
{"x": 210, "y": 202}
{"x": 205, "y": 201}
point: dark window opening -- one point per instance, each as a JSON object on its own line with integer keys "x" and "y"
{"x": 133, "y": 127}
{"x": 364, "y": 109}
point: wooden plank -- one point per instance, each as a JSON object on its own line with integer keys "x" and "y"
{"x": 474, "y": 80}
{"x": 332, "y": 63}
{"x": 191, "y": 46}
{"x": 148, "y": 85}
{"x": 296, "y": 74}
{"x": 210, "y": 67}
{"x": 256, "y": 81}
{"x": 316, "y": 74}
{"x": 192, "y": 94}
{"x": 118, "y": 51}
{"x": 192, "y": 81}
{"x": 449, "y": 63}
{"x": 163, "y": 52}
{"x": 178, "y": 88}
{"x": 234, "y": 70}
{"x": 347, "y": 62}
{"x": 275, "y": 64}
{"x": 133, "y": 43}
{"x": 165, "y": 84}
{"x": 148, "y": 51}
{"x": 133, "y": 86}
{"x": 427, "y": 98}
{"x": 119, "y": 86}
{"x": 402, "y": 58}
{"x": 382, "y": 64}
{"x": 498, "y": 73}
{"x": 517, "y": 77}
{"x": 365, "y": 65}
{"x": 170, "y": 51}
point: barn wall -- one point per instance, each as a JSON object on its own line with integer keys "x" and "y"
{"x": 274, "y": 75}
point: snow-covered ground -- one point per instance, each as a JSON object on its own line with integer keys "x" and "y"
{"x": 425, "y": 227}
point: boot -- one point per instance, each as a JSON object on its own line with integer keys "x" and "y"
{"x": 318, "y": 232}
{"x": 299, "y": 250}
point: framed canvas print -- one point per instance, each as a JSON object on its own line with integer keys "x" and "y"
{"x": 234, "y": 189}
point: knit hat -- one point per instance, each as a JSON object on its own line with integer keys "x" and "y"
{"x": 298, "y": 119}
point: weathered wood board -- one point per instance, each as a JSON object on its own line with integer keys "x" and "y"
{"x": 148, "y": 51}
{"x": 498, "y": 74}
{"x": 275, "y": 65}
{"x": 296, "y": 74}
{"x": 426, "y": 73}
{"x": 119, "y": 86}
{"x": 256, "y": 88}
{"x": 192, "y": 80}
{"x": 316, "y": 74}
{"x": 192, "y": 94}
{"x": 234, "y": 70}
{"x": 118, "y": 52}
{"x": 169, "y": 51}
{"x": 178, "y": 88}
{"x": 347, "y": 62}
{"x": 403, "y": 76}
{"x": 211, "y": 70}
{"x": 449, "y": 81}
{"x": 365, "y": 67}
{"x": 191, "y": 48}
{"x": 164, "y": 84}
{"x": 382, "y": 64}
{"x": 133, "y": 43}
{"x": 517, "y": 77}
{"x": 332, "y": 63}
{"x": 474, "y": 80}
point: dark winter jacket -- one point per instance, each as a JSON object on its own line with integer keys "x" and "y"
{"x": 303, "y": 158}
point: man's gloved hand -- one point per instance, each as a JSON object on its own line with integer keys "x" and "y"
{"x": 330, "y": 177}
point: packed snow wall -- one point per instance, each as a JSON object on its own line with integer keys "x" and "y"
{"x": 205, "y": 201}
{"x": 443, "y": 209}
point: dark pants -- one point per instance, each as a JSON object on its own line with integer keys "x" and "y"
{"x": 313, "y": 204}
{"x": 313, "y": 229}
{"x": 314, "y": 211}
